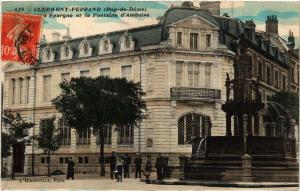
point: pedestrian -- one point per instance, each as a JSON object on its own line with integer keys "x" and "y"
{"x": 148, "y": 169}
{"x": 127, "y": 162}
{"x": 70, "y": 169}
{"x": 138, "y": 165}
{"x": 159, "y": 164}
{"x": 113, "y": 162}
{"x": 120, "y": 165}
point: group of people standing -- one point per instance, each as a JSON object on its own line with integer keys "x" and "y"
{"x": 117, "y": 164}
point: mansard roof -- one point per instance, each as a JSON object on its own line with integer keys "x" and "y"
{"x": 143, "y": 36}
{"x": 230, "y": 30}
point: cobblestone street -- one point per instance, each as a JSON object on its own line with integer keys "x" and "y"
{"x": 97, "y": 183}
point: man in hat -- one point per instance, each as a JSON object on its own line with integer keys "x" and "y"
{"x": 113, "y": 162}
{"x": 138, "y": 165}
{"x": 159, "y": 164}
{"x": 127, "y": 162}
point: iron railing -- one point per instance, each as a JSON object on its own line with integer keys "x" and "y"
{"x": 185, "y": 93}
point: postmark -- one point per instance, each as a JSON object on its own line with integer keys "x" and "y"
{"x": 20, "y": 37}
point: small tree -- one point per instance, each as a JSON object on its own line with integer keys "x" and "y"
{"x": 289, "y": 101}
{"x": 48, "y": 139}
{"x": 16, "y": 131}
{"x": 87, "y": 102}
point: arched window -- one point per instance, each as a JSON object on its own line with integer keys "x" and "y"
{"x": 106, "y": 45}
{"x": 189, "y": 126}
{"x": 48, "y": 53}
{"x": 67, "y": 51}
{"x": 85, "y": 48}
{"x": 127, "y": 42}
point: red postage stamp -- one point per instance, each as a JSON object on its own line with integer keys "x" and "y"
{"x": 20, "y": 37}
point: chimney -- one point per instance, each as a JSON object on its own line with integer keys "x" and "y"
{"x": 272, "y": 24}
{"x": 55, "y": 36}
{"x": 67, "y": 36}
{"x": 291, "y": 40}
{"x": 212, "y": 6}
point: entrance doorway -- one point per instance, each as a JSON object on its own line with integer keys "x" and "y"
{"x": 19, "y": 157}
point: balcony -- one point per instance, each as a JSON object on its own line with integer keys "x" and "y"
{"x": 184, "y": 93}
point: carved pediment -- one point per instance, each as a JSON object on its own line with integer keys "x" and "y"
{"x": 196, "y": 22}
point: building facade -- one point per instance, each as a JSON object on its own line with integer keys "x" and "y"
{"x": 181, "y": 62}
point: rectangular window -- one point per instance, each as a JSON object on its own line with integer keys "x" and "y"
{"x": 125, "y": 135}
{"x": 86, "y": 160}
{"x": 84, "y": 137}
{"x": 276, "y": 79}
{"x": 207, "y": 75}
{"x": 61, "y": 160}
{"x": 107, "y": 135}
{"x": 268, "y": 74}
{"x": 80, "y": 160}
{"x": 193, "y": 74}
{"x": 47, "y": 88}
{"x": 43, "y": 160}
{"x": 194, "y": 41}
{"x": 208, "y": 40}
{"x": 85, "y": 73}
{"x": 179, "y": 38}
{"x": 179, "y": 67}
{"x": 105, "y": 72}
{"x": 126, "y": 72}
{"x": 283, "y": 82}
{"x": 66, "y": 159}
{"x": 65, "y": 132}
{"x": 65, "y": 77}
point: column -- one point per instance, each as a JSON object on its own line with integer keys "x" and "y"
{"x": 17, "y": 91}
{"x": 73, "y": 140}
{"x": 262, "y": 131}
{"x": 215, "y": 77}
{"x": 114, "y": 139}
{"x": 201, "y": 75}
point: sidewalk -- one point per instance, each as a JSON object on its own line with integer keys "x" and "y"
{"x": 95, "y": 182}
{"x": 224, "y": 183}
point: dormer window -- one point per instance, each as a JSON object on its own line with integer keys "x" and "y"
{"x": 47, "y": 55}
{"x": 66, "y": 52}
{"x": 179, "y": 38}
{"x": 105, "y": 45}
{"x": 194, "y": 41}
{"x": 84, "y": 49}
{"x": 126, "y": 42}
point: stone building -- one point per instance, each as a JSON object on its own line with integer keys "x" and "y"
{"x": 181, "y": 63}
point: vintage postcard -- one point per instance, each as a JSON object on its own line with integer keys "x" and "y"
{"x": 156, "y": 95}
